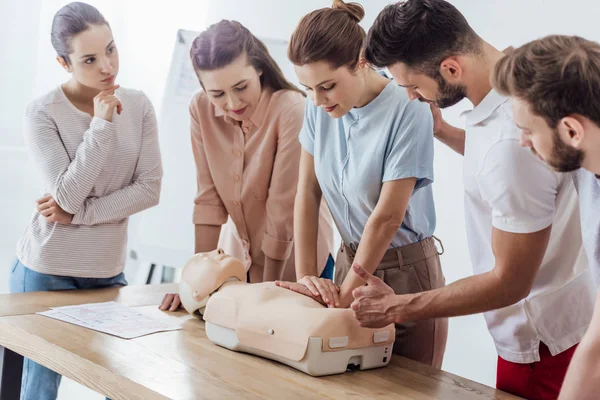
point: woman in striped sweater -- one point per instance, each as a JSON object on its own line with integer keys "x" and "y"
{"x": 96, "y": 148}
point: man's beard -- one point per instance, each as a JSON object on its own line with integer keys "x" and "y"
{"x": 564, "y": 158}
{"x": 448, "y": 95}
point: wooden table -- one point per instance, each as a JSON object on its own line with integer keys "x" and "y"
{"x": 184, "y": 364}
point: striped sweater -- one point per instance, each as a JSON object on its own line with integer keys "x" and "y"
{"x": 101, "y": 172}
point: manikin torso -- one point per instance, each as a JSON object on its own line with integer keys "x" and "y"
{"x": 267, "y": 318}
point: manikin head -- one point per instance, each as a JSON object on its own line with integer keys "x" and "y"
{"x": 204, "y": 274}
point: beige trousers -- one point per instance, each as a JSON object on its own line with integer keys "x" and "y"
{"x": 409, "y": 269}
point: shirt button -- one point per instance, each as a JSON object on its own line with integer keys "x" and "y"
{"x": 245, "y": 129}
{"x": 236, "y": 203}
{"x": 236, "y": 178}
{"x": 238, "y": 153}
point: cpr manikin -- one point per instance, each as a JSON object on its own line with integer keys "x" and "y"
{"x": 276, "y": 323}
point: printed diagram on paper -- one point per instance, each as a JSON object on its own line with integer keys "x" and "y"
{"x": 112, "y": 318}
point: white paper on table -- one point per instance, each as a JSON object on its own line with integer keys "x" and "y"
{"x": 112, "y": 318}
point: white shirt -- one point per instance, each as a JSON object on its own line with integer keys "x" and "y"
{"x": 508, "y": 188}
{"x": 101, "y": 172}
{"x": 588, "y": 188}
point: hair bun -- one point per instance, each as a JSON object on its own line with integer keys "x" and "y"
{"x": 354, "y": 10}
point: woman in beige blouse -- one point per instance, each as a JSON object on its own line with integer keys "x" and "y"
{"x": 245, "y": 125}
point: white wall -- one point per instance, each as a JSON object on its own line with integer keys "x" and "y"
{"x": 18, "y": 36}
{"x": 145, "y": 32}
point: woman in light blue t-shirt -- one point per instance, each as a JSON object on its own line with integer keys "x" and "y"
{"x": 368, "y": 150}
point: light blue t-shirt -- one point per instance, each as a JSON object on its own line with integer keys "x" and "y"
{"x": 588, "y": 189}
{"x": 390, "y": 138}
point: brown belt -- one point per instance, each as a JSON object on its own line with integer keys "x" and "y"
{"x": 405, "y": 255}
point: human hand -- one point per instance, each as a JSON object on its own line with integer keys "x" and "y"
{"x": 105, "y": 103}
{"x": 52, "y": 212}
{"x": 325, "y": 288}
{"x": 438, "y": 120}
{"x": 373, "y": 303}
{"x": 170, "y": 302}
{"x": 300, "y": 288}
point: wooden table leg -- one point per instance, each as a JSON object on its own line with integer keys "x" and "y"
{"x": 11, "y": 369}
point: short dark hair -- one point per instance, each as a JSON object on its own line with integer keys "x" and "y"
{"x": 420, "y": 34}
{"x": 69, "y": 21}
{"x": 556, "y": 76}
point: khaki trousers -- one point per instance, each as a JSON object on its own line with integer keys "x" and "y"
{"x": 408, "y": 269}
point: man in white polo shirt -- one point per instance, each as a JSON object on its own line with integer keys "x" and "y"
{"x": 531, "y": 274}
{"x": 555, "y": 86}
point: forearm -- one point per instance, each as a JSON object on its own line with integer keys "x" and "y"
{"x": 119, "y": 204}
{"x": 306, "y": 227}
{"x": 452, "y": 137}
{"x": 70, "y": 182}
{"x": 206, "y": 237}
{"x": 376, "y": 239}
{"x": 273, "y": 269}
{"x": 472, "y": 295}
{"x": 582, "y": 381}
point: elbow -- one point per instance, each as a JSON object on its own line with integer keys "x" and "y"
{"x": 513, "y": 293}
{"x": 152, "y": 191}
{"x": 509, "y": 289}
{"x": 306, "y": 198}
{"x": 520, "y": 294}
{"x": 155, "y": 192}
{"x": 64, "y": 203}
{"x": 386, "y": 221}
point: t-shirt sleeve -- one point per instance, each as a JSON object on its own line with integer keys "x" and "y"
{"x": 409, "y": 152}
{"x": 307, "y": 133}
{"x": 520, "y": 189}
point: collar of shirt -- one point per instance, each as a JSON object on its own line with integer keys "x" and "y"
{"x": 378, "y": 101}
{"x": 485, "y": 109}
{"x": 258, "y": 115}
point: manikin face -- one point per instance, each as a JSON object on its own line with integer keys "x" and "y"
{"x": 420, "y": 86}
{"x": 211, "y": 264}
{"x": 235, "y": 89}
{"x": 337, "y": 90}
{"x": 550, "y": 145}
{"x": 94, "y": 61}
{"x": 204, "y": 274}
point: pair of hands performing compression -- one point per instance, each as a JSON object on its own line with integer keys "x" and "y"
{"x": 373, "y": 303}
{"x": 105, "y": 104}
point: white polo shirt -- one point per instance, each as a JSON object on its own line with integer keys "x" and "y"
{"x": 508, "y": 188}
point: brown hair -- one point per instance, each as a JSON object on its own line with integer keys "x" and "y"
{"x": 69, "y": 21}
{"x": 225, "y": 41}
{"x": 557, "y": 76}
{"x": 329, "y": 34}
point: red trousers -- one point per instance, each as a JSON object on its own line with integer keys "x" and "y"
{"x": 540, "y": 380}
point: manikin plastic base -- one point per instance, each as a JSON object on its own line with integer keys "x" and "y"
{"x": 316, "y": 362}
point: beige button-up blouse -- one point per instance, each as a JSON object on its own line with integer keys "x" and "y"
{"x": 249, "y": 172}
